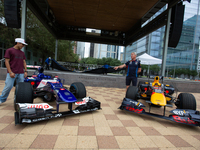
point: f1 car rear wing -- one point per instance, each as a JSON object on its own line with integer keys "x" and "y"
{"x": 156, "y": 78}
{"x": 153, "y": 77}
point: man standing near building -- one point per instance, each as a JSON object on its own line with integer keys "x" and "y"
{"x": 47, "y": 62}
{"x": 133, "y": 68}
{"x": 16, "y": 67}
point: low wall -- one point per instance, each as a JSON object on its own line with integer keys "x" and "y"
{"x": 110, "y": 80}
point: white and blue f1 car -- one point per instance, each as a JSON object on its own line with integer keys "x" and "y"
{"x": 50, "y": 90}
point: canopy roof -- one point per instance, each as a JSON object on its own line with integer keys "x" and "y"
{"x": 120, "y": 21}
{"x": 149, "y": 60}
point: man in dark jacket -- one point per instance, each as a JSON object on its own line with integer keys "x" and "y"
{"x": 47, "y": 62}
{"x": 133, "y": 68}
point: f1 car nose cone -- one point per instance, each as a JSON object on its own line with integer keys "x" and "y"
{"x": 158, "y": 99}
{"x": 66, "y": 96}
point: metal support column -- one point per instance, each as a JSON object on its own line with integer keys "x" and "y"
{"x": 124, "y": 59}
{"x": 125, "y": 55}
{"x": 196, "y": 28}
{"x": 174, "y": 71}
{"x": 167, "y": 28}
{"x": 149, "y": 43}
{"x": 56, "y": 49}
{"x": 23, "y": 23}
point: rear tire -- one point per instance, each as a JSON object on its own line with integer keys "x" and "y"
{"x": 78, "y": 89}
{"x": 23, "y": 93}
{"x": 132, "y": 92}
{"x": 186, "y": 101}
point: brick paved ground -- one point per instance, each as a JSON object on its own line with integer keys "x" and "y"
{"x": 109, "y": 128}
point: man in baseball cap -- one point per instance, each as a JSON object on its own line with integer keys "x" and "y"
{"x": 16, "y": 67}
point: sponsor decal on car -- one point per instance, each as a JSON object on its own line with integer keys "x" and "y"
{"x": 136, "y": 103}
{"x": 82, "y": 111}
{"x": 182, "y": 112}
{"x": 183, "y": 119}
{"x": 44, "y": 82}
{"x": 44, "y": 106}
{"x": 46, "y": 118}
{"x": 136, "y": 110}
{"x": 31, "y": 78}
{"x": 85, "y": 100}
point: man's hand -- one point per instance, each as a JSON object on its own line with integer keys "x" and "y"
{"x": 116, "y": 68}
{"x": 12, "y": 75}
{"x": 25, "y": 74}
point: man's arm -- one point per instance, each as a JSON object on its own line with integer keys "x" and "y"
{"x": 121, "y": 66}
{"x": 12, "y": 75}
{"x": 25, "y": 69}
{"x": 139, "y": 70}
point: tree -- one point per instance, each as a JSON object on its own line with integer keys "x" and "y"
{"x": 65, "y": 52}
{"x": 178, "y": 72}
{"x": 154, "y": 68}
{"x": 38, "y": 38}
{"x": 99, "y": 61}
{"x": 7, "y": 35}
{"x": 171, "y": 72}
{"x": 194, "y": 73}
{"x": 43, "y": 42}
{"x": 96, "y": 61}
{"x": 188, "y": 72}
{"x": 144, "y": 67}
{"x": 115, "y": 62}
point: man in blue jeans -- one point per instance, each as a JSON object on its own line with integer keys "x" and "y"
{"x": 16, "y": 67}
{"x": 133, "y": 68}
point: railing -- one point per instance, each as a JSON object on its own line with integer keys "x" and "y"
{"x": 2, "y": 62}
{"x": 80, "y": 65}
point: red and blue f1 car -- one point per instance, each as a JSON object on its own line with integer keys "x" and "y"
{"x": 49, "y": 89}
{"x": 161, "y": 95}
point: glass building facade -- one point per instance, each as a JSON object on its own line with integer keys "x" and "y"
{"x": 107, "y": 51}
{"x": 186, "y": 54}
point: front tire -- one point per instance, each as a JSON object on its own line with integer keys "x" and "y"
{"x": 132, "y": 92}
{"x": 78, "y": 89}
{"x": 23, "y": 93}
{"x": 186, "y": 101}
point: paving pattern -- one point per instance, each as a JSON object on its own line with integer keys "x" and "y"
{"x": 109, "y": 128}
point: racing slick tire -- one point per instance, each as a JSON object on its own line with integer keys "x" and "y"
{"x": 132, "y": 92}
{"x": 186, "y": 101}
{"x": 23, "y": 93}
{"x": 49, "y": 97}
{"x": 78, "y": 89}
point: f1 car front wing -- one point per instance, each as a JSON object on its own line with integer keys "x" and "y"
{"x": 188, "y": 117}
{"x": 32, "y": 115}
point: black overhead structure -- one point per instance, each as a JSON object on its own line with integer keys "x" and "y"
{"x": 120, "y": 21}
